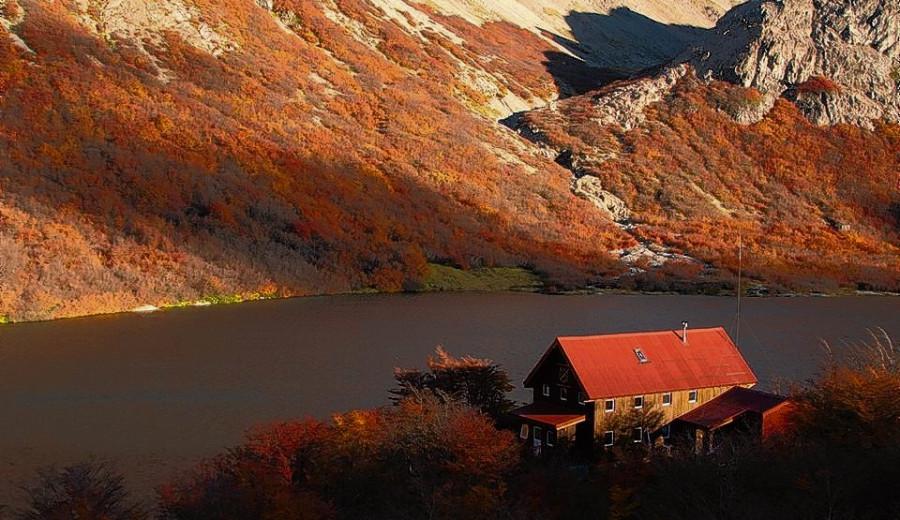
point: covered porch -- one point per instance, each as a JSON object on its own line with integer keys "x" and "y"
{"x": 545, "y": 424}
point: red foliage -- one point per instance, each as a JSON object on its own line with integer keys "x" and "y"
{"x": 417, "y": 459}
{"x": 818, "y": 85}
{"x": 696, "y": 181}
{"x": 323, "y": 159}
{"x": 305, "y": 160}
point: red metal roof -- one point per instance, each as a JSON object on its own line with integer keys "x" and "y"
{"x": 549, "y": 414}
{"x": 607, "y": 366}
{"x": 736, "y": 401}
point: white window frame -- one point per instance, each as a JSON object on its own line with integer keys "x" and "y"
{"x": 692, "y": 399}
{"x": 638, "y": 406}
{"x": 582, "y": 397}
{"x": 640, "y": 430}
{"x": 606, "y": 408}
{"x": 550, "y": 433}
{"x": 641, "y": 356}
{"x": 537, "y": 437}
{"x": 563, "y": 393}
{"x": 523, "y": 431}
{"x": 545, "y": 390}
{"x": 612, "y": 438}
{"x": 664, "y": 403}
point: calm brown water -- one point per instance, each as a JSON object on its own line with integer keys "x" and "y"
{"x": 156, "y": 393}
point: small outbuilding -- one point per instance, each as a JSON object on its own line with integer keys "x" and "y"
{"x": 738, "y": 413}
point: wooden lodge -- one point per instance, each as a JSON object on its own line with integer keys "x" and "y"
{"x": 587, "y": 387}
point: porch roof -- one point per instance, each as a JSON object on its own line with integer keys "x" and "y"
{"x": 550, "y": 414}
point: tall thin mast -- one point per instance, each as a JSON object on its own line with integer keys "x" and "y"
{"x": 737, "y": 335}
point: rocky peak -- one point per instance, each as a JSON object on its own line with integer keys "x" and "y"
{"x": 777, "y": 46}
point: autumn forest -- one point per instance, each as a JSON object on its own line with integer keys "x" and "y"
{"x": 326, "y": 147}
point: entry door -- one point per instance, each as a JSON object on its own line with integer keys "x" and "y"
{"x": 538, "y": 436}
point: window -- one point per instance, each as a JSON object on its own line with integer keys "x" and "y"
{"x": 551, "y": 437}
{"x": 545, "y": 389}
{"x": 637, "y": 434}
{"x": 563, "y": 393}
{"x": 609, "y": 405}
{"x": 523, "y": 432}
{"x": 667, "y": 399}
{"x": 538, "y": 437}
{"x": 609, "y": 438}
{"x": 692, "y": 396}
{"x": 642, "y": 358}
{"x": 563, "y": 374}
{"x": 639, "y": 402}
{"x": 582, "y": 397}
{"x": 666, "y": 431}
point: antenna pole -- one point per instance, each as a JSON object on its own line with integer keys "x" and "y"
{"x": 737, "y": 335}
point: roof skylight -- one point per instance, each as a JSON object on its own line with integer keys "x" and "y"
{"x": 642, "y": 358}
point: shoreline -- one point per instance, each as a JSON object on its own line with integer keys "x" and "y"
{"x": 149, "y": 309}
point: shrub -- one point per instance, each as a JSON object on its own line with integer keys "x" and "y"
{"x": 479, "y": 383}
{"x": 818, "y": 85}
{"x": 89, "y": 491}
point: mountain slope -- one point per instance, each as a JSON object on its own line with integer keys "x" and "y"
{"x": 192, "y": 150}
{"x": 817, "y": 207}
{"x": 689, "y": 164}
{"x": 185, "y": 149}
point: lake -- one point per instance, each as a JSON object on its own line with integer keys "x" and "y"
{"x": 156, "y": 393}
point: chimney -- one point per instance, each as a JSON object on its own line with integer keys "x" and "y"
{"x": 684, "y": 326}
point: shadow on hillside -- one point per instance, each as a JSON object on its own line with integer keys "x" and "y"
{"x": 200, "y": 210}
{"x": 608, "y": 47}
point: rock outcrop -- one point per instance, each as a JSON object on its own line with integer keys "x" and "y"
{"x": 11, "y": 15}
{"x": 624, "y": 104}
{"x": 590, "y": 188}
{"x": 137, "y": 22}
{"x": 651, "y": 255}
{"x": 778, "y": 46}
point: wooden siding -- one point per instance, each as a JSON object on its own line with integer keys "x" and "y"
{"x": 680, "y": 405}
{"x": 564, "y": 435}
{"x": 548, "y": 373}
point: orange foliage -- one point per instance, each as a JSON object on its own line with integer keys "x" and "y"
{"x": 818, "y": 85}
{"x": 418, "y": 459}
{"x": 696, "y": 180}
{"x": 304, "y": 160}
{"x": 314, "y": 160}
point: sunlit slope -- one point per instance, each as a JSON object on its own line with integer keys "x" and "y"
{"x": 166, "y": 152}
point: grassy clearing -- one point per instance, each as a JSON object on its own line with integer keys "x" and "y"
{"x": 444, "y": 278}
{"x": 217, "y": 299}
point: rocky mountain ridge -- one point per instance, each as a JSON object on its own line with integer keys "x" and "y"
{"x": 838, "y": 60}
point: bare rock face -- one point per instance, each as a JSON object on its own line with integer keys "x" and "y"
{"x": 137, "y": 22}
{"x": 11, "y": 12}
{"x": 11, "y": 15}
{"x": 652, "y": 255}
{"x": 624, "y": 104}
{"x": 590, "y": 188}
{"x": 777, "y": 46}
